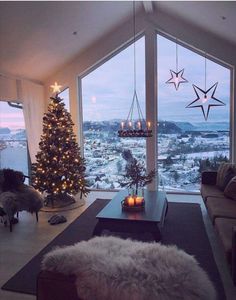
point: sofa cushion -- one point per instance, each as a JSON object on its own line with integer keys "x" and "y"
{"x": 208, "y": 177}
{"x": 224, "y": 230}
{"x": 230, "y": 189}
{"x": 210, "y": 191}
{"x": 221, "y": 207}
{"x": 222, "y": 174}
{"x": 231, "y": 173}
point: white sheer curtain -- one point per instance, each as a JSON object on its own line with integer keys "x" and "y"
{"x": 33, "y": 108}
{"x": 9, "y": 88}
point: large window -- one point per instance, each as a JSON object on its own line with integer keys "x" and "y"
{"x": 13, "y": 143}
{"x": 107, "y": 94}
{"x": 187, "y": 144}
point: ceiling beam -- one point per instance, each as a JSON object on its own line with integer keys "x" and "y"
{"x": 148, "y": 7}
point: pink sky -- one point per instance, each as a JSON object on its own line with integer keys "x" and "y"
{"x": 11, "y": 117}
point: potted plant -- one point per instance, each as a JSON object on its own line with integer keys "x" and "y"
{"x": 135, "y": 176}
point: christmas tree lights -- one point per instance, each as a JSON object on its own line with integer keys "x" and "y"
{"x": 59, "y": 169}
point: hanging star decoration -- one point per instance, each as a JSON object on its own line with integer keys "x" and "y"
{"x": 177, "y": 78}
{"x": 205, "y": 100}
{"x": 56, "y": 88}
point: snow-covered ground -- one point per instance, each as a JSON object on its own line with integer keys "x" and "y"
{"x": 178, "y": 157}
{"x": 180, "y": 174}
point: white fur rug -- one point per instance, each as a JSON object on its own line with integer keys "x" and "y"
{"x": 110, "y": 268}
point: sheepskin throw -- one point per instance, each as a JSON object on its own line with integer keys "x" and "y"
{"x": 110, "y": 268}
{"x": 26, "y": 198}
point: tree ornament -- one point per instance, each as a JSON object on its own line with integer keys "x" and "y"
{"x": 56, "y": 88}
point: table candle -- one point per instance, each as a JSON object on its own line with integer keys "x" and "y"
{"x": 138, "y": 200}
{"x": 130, "y": 201}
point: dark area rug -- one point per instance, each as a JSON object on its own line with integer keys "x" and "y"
{"x": 183, "y": 227}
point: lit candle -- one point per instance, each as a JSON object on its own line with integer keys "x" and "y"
{"x": 204, "y": 99}
{"x": 130, "y": 124}
{"x": 138, "y": 200}
{"x": 139, "y": 125}
{"x": 122, "y": 125}
{"x": 149, "y": 125}
{"x": 130, "y": 201}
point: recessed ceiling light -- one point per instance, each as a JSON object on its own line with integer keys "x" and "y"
{"x": 74, "y": 33}
{"x": 223, "y": 17}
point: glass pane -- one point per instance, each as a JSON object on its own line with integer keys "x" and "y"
{"x": 13, "y": 143}
{"x": 66, "y": 98}
{"x": 107, "y": 94}
{"x": 187, "y": 144}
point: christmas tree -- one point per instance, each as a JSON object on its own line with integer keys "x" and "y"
{"x": 59, "y": 169}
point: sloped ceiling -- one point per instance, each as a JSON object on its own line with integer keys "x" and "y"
{"x": 217, "y": 17}
{"x": 36, "y": 38}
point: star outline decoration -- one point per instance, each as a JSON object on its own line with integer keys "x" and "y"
{"x": 178, "y": 75}
{"x": 218, "y": 102}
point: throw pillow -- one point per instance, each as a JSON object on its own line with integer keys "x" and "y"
{"x": 230, "y": 190}
{"x": 223, "y": 169}
{"x": 230, "y": 173}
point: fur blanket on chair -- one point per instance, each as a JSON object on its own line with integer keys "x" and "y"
{"x": 110, "y": 268}
{"x": 25, "y": 198}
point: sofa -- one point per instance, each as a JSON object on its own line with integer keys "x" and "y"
{"x": 218, "y": 190}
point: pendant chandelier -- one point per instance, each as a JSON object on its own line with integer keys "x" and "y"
{"x": 176, "y": 76}
{"x": 205, "y": 97}
{"x": 132, "y": 127}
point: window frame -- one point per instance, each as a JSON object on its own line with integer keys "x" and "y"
{"x": 15, "y": 105}
{"x": 144, "y": 33}
{"x": 232, "y": 118}
{"x": 91, "y": 69}
{"x": 80, "y": 87}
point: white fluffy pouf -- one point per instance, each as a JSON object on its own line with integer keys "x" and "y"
{"x": 110, "y": 268}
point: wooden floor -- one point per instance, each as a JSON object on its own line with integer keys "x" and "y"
{"x": 29, "y": 237}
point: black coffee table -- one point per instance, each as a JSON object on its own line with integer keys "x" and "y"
{"x": 113, "y": 218}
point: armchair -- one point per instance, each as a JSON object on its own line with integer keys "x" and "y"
{"x": 15, "y": 196}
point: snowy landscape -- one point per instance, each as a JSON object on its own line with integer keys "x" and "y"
{"x": 184, "y": 150}
{"x": 13, "y": 150}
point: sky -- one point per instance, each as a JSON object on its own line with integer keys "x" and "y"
{"x": 11, "y": 117}
{"x": 107, "y": 91}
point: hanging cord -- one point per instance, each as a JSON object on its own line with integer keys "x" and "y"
{"x": 176, "y": 54}
{"x": 205, "y": 70}
{"x": 134, "y": 47}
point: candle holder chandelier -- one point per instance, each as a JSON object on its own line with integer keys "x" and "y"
{"x": 132, "y": 127}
